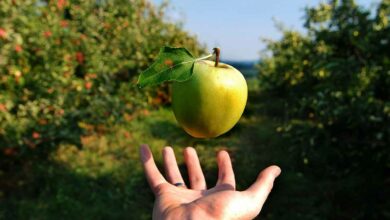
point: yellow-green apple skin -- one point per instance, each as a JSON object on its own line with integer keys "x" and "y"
{"x": 212, "y": 101}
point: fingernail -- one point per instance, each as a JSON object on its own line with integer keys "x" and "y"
{"x": 144, "y": 152}
{"x": 277, "y": 172}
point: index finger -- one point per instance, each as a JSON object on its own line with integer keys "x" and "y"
{"x": 153, "y": 175}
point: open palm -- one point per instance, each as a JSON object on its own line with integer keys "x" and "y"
{"x": 175, "y": 201}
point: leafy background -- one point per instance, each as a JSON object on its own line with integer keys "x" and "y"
{"x": 72, "y": 118}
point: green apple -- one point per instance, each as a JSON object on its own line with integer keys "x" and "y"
{"x": 212, "y": 101}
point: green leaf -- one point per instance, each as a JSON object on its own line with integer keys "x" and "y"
{"x": 172, "y": 64}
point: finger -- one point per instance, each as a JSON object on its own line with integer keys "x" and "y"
{"x": 195, "y": 173}
{"x": 171, "y": 169}
{"x": 153, "y": 175}
{"x": 261, "y": 188}
{"x": 225, "y": 170}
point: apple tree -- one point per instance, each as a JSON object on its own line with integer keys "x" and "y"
{"x": 68, "y": 67}
{"x": 335, "y": 85}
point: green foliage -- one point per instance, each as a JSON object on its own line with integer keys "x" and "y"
{"x": 171, "y": 64}
{"x": 67, "y": 68}
{"x": 335, "y": 82}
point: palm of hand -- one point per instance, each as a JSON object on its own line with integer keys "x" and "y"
{"x": 219, "y": 202}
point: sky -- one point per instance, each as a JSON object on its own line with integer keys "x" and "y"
{"x": 237, "y": 26}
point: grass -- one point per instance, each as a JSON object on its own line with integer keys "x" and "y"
{"x": 104, "y": 179}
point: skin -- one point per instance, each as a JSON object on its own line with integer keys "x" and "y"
{"x": 212, "y": 101}
{"x": 197, "y": 202}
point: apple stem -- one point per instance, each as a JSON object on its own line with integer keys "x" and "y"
{"x": 217, "y": 51}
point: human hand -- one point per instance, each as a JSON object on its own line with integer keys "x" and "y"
{"x": 175, "y": 201}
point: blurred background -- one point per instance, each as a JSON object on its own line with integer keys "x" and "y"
{"x": 72, "y": 118}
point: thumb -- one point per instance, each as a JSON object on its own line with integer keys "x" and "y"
{"x": 261, "y": 188}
